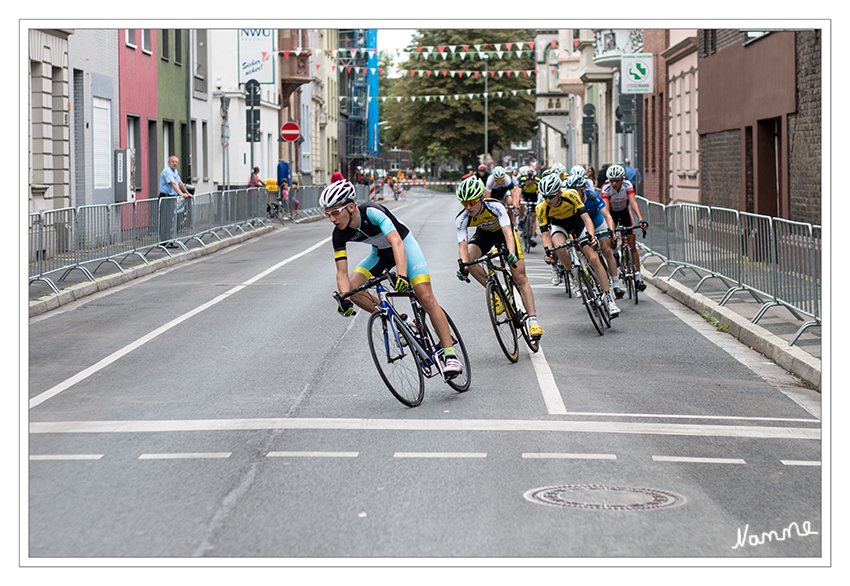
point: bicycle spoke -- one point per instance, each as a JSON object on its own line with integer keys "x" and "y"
{"x": 397, "y": 362}
{"x": 502, "y": 322}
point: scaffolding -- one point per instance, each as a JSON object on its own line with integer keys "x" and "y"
{"x": 355, "y": 106}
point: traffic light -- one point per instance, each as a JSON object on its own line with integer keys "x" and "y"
{"x": 627, "y": 109}
{"x": 588, "y": 129}
{"x": 252, "y": 125}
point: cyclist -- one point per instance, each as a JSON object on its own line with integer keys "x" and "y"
{"x": 562, "y": 214}
{"x": 393, "y": 245}
{"x": 579, "y": 170}
{"x": 528, "y": 190}
{"x": 619, "y": 195}
{"x": 502, "y": 187}
{"x": 601, "y": 218}
{"x": 490, "y": 217}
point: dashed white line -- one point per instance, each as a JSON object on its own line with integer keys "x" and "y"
{"x": 312, "y": 454}
{"x": 801, "y": 462}
{"x": 185, "y": 456}
{"x": 439, "y": 455}
{"x": 698, "y": 460}
{"x": 558, "y": 456}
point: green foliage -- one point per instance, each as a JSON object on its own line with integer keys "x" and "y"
{"x": 455, "y": 128}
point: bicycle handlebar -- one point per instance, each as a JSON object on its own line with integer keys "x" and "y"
{"x": 501, "y": 251}
{"x": 622, "y": 229}
{"x": 372, "y": 282}
{"x": 575, "y": 241}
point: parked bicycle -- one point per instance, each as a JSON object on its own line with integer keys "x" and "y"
{"x": 502, "y": 292}
{"x": 589, "y": 288}
{"x": 404, "y": 347}
{"x": 625, "y": 261}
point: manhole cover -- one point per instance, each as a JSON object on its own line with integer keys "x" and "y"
{"x": 601, "y": 497}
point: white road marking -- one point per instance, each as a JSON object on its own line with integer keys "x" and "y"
{"x": 548, "y": 386}
{"x": 678, "y": 429}
{"x": 556, "y": 456}
{"x": 66, "y": 456}
{"x": 801, "y": 462}
{"x": 312, "y": 454}
{"x": 185, "y": 456}
{"x": 698, "y": 460}
{"x": 439, "y": 455}
{"x": 84, "y": 374}
{"x": 671, "y": 416}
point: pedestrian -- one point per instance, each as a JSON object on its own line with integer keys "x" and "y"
{"x": 337, "y": 176}
{"x": 591, "y": 174}
{"x": 284, "y": 197}
{"x": 255, "y": 180}
{"x": 170, "y": 185}
{"x": 632, "y": 174}
{"x": 293, "y": 193}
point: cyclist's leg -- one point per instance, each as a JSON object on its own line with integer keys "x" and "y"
{"x": 420, "y": 279}
{"x": 478, "y": 243}
{"x": 559, "y": 236}
{"x": 374, "y": 264}
{"x": 521, "y": 280}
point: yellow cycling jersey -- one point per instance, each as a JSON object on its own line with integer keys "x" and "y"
{"x": 493, "y": 216}
{"x": 567, "y": 214}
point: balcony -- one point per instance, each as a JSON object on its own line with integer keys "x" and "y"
{"x": 612, "y": 44}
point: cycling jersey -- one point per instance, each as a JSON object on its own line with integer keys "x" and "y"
{"x": 528, "y": 186}
{"x": 499, "y": 191}
{"x": 594, "y": 207}
{"x": 493, "y": 216}
{"x": 619, "y": 200}
{"x": 489, "y": 223}
{"x": 376, "y": 222}
{"x": 567, "y": 214}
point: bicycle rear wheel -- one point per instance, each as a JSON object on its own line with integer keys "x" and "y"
{"x": 588, "y": 298}
{"x": 626, "y": 274}
{"x": 599, "y": 299}
{"x": 502, "y": 322}
{"x": 397, "y": 362}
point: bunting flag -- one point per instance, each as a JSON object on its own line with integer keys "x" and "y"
{"x": 514, "y": 48}
{"x": 467, "y": 72}
{"x": 440, "y": 97}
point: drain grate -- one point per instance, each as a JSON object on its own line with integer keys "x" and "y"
{"x": 602, "y": 497}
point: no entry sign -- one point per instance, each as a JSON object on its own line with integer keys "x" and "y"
{"x": 290, "y": 131}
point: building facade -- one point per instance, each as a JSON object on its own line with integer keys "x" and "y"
{"x": 682, "y": 101}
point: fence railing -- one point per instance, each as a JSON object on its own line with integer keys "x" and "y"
{"x": 86, "y": 237}
{"x": 775, "y": 261}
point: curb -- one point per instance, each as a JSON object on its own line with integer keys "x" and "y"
{"x": 80, "y": 290}
{"x": 793, "y": 359}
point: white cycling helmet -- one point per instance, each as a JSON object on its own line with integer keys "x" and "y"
{"x": 337, "y": 193}
{"x": 498, "y": 173}
{"x": 615, "y": 172}
{"x": 577, "y": 170}
{"x": 550, "y": 185}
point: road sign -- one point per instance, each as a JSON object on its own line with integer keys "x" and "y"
{"x": 636, "y": 74}
{"x": 290, "y": 131}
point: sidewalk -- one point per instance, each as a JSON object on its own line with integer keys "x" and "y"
{"x": 770, "y": 336}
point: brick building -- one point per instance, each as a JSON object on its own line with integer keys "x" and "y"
{"x": 655, "y": 127}
{"x": 760, "y": 122}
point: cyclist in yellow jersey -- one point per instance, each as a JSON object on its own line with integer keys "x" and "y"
{"x": 562, "y": 214}
{"x": 493, "y": 226}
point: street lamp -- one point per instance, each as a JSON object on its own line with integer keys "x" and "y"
{"x": 486, "y": 58}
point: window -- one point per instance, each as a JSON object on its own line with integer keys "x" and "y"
{"x": 146, "y": 40}
{"x": 200, "y": 65}
{"x": 102, "y": 142}
{"x": 167, "y": 141}
{"x": 134, "y": 141}
{"x": 163, "y": 44}
{"x": 130, "y": 37}
{"x": 205, "y": 158}
{"x": 178, "y": 47}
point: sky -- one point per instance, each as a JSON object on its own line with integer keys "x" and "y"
{"x": 394, "y": 38}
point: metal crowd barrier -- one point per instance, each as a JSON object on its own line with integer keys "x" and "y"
{"x": 775, "y": 261}
{"x": 68, "y": 239}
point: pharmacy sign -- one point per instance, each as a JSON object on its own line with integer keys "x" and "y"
{"x": 636, "y": 74}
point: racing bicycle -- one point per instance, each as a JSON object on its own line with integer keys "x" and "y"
{"x": 405, "y": 349}
{"x": 505, "y": 316}
{"x": 625, "y": 261}
{"x": 589, "y": 288}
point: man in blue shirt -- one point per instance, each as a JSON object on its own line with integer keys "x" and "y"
{"x": 170, "y": 185}
{"x": 632, "y": 174}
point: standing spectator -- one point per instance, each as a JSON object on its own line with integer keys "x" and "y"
{"x": 283, "y": 190}
{"x": 591, "y": 174}
{"x": 337, "y": 176}
{"x": 293, "y": 193}
{"x": 602, "y": 177}
{"x": 170, "y": 185}
{"x": 632, "y": 174}
{"x": 255, "y": 178}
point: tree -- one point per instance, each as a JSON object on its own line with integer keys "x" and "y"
{"x": 457, "y": 125}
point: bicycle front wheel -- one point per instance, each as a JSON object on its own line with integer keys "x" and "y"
{"x": 460, "y": 383}
{"x": 502, "y": 322}
{"x": 588, "y": 298}
{"x": 398, "y": 363}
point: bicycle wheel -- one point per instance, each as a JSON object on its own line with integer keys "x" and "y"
{"x": 566, "y": 275}
{"x": 630, "y": 269}
{"x": 502, "y": 322}
{"x": 460, "y": 383}
{"x": 588, "y": 298}
{"x": 397, "y": 362}
{"x": 625, "y": 273}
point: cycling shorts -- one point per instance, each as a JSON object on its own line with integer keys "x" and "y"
{"x": 380, "y": 259}
{"x": 623, "y": 218}
{"x": 485, "y": 240}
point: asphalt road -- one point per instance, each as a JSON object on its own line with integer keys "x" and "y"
{"x": 222, "y": 408}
